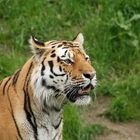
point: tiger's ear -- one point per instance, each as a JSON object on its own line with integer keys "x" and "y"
{"x": 37, "y": 47}
{"x": 79, "y": 38}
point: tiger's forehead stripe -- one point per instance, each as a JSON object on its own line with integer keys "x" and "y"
{"x": 64, "y": 44}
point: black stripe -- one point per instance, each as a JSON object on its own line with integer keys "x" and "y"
{"x": 53, "y": 51}
{"x": 56, "y": 109}
{"x": 49, "y": 87}
{"x": 43, "y": 82}
{"x": 70, "y": 44}
{"x": 65, "y": 43}
{"x": 28, "y": 73}
{"x": 63, "y": 56}
{"x": 14, "y": 118}
{"x": 60, "y": 68}
{"x": 55, "y": 82}
{"x": 17, "y": 137}
{"x": 43, "y": 67}
{"x": 51, "y": 69}
{"x": 15, "y": 78}
{"x": 67, "y": 77}
{"x": 27, "y": 105}
{"x": 53, "y": 88}
{"x": 56, "y": 126}
{"x": 44, "y": 109}
{"x": 8, "y": 87}
{"x": 51, "y": 76}
{"x": 29, "y": 113}
{"x": 65, "y": 52}
{"x": 1, "y": 82}
{"x": 59, "y": 46}
{"x": 53, "y": 46}
{"x": 65, "y": 47}
{"x": 57, "y": 95}
{"x": 5, "y": 85}
{"x": 45, "y": 128}
{"x": 55, "y": 136}
{"x": 53, "y": 55}
{"x": 58, "y": 59}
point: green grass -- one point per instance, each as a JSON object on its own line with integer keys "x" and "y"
{"x": 120, "y": 110}
{"x": 112, "y": 39}
{"x": 77, "y": 129}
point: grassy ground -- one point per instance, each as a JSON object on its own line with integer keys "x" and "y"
{"x": 112, "y": 39}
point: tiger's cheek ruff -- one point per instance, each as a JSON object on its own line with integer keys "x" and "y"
{"x": 47, "y": 81}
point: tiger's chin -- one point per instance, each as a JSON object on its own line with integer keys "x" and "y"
{"x": 83, "y": 100}
{"x": 82, "y": 96}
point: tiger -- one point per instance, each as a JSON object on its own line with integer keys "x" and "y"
{"x": 33, "y": 98}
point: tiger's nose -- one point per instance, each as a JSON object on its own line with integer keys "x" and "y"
{"x": 89, "y": 75}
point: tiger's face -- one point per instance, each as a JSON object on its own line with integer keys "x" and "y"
{"x": 63, "y": 69}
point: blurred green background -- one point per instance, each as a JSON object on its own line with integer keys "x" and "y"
{"x": 112, "y": 39}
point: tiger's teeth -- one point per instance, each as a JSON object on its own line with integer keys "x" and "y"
{"x": 83, "y": 91}
{"x": 80, "y": 91}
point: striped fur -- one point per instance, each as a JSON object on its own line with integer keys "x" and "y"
{"x": 32, "y": 99}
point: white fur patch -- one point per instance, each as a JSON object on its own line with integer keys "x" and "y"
{"x": 83, "y": 100}
{"x": 94, "y": 81}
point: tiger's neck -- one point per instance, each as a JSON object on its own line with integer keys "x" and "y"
{"x": 43, "y": 114}
{"x": 47, "y": 109}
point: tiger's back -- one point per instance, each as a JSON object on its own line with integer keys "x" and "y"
{"x": 12, "y": 103}
{"x": 7, "y": 124}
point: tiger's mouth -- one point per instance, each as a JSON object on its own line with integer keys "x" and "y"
{"x": 85, "y": 90}
{"x": 81, "y": 93}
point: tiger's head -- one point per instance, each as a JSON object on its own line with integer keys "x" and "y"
{"x": 62, "y": 69}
